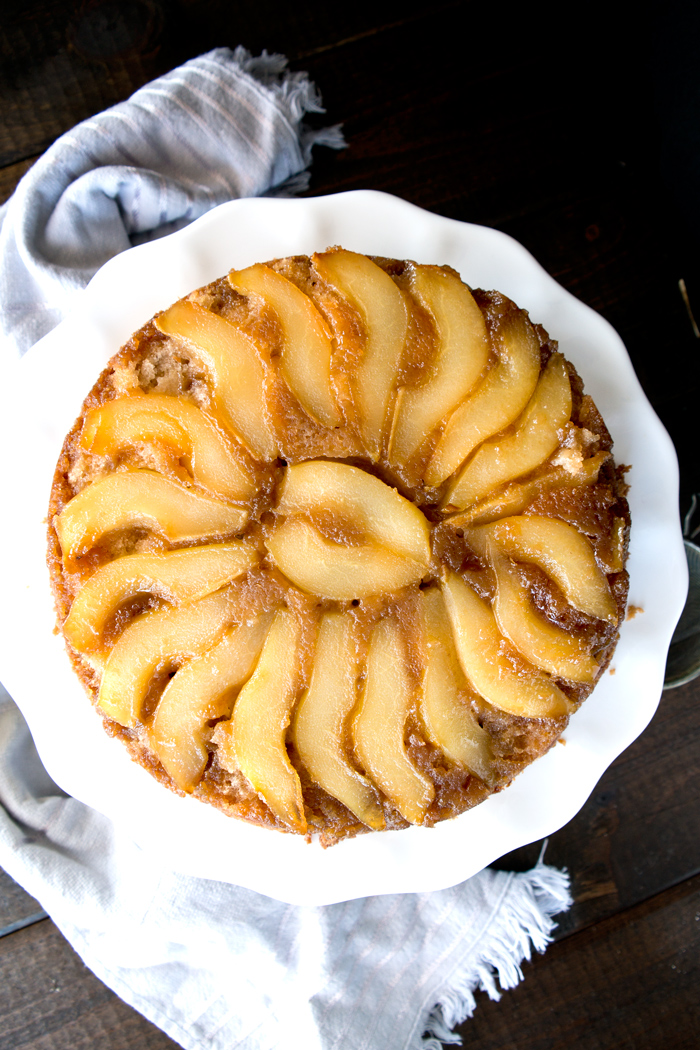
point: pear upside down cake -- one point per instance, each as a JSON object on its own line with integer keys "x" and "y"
{"x": 338, "y": 544}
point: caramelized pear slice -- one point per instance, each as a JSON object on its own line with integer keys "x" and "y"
{"x": 212, "y": 457}
{"x": 496, "y": 402}
{"x": 444, "y": 708}
{"x": 616, "y": 556}
{"x": 565, "y": 554}
{"x": 157, "y": 641}
{"x": 364, "y": 502}
{"x": 378, "y": 727}
{"x": 515, "y": 498}
{"x": 177, "y": 576}
{"x": 494, "y": 668}
{"x": 542, "y": 643}
{"x": 142, "y": 499}
{"x": 202, "y": 690}
{"x": 337, "y": 570}
{"x": 320, "y": 721}
{"x": 461, "y": 355}
{"x": 254, "y": 740}
{"x": 236, "y": 370}
{"x": 534, "y": 440}
{"x": 382, "y": 309}
{"x": 306, "y": 340}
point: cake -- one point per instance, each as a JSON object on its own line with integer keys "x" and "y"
{"x": 338, "y": 544}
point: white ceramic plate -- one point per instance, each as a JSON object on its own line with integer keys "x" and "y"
{"x": 47, "y": 394}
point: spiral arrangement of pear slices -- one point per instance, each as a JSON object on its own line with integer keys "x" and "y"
{"x": 279, "y": 611}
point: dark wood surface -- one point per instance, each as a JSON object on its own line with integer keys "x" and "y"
{"x": 581, "y": 145}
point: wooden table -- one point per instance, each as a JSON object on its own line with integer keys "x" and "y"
{"x": 576, "y": 146}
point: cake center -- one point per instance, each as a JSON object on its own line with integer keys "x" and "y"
{"x": 390, "y": 537}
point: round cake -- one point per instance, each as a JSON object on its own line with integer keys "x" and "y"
{"x": 338, "y": 544}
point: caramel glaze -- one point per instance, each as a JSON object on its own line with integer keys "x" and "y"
{"x": 151, "y": 361}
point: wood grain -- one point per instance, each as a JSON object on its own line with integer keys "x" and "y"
{"x": 16, "y": 906}
{"x": 48, "y": 998}
{"x": 10, "y": 176}
{"x": 628, "y": 982}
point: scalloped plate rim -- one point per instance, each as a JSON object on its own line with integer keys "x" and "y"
{"x": 196, "y": 839}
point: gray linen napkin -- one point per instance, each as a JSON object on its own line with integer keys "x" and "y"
{"x": 214, "y": 965}
{"x": 222, "y": 126}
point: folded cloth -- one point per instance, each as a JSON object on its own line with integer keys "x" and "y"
{"x": 215, "y": 965}
{"x": 222, "y": 126}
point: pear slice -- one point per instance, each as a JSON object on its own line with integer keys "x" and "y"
{"x": 534, "y": 440}
{"x": 177, "y": 576}
{"x": 494, "y": 668}
{"x": 378, "y": 726}
{"x": 236, "y": 370}
{"x": 142, "y": 498}
{"x": 254, "y": 740}
{"x": 384, "y": 314}
{"x": 542, "y": 643}
{"x": 336, "y": 570}
{"x": 565, "y": 554}
{"x": 515, "y": 497}
{"x": 320, "y": 721}
{"x": 306, "y": 340}
{"x": 363, "y": 501}
{"x": 444, "y": 708}
{"x": 462, "y": 353}
{"x": 496, "y": 402}
{"x": 202, "y": 690}
{"x": 212, "y": 457}
{"x": 616, "y": 554}
{"x": 156, "y": 641}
